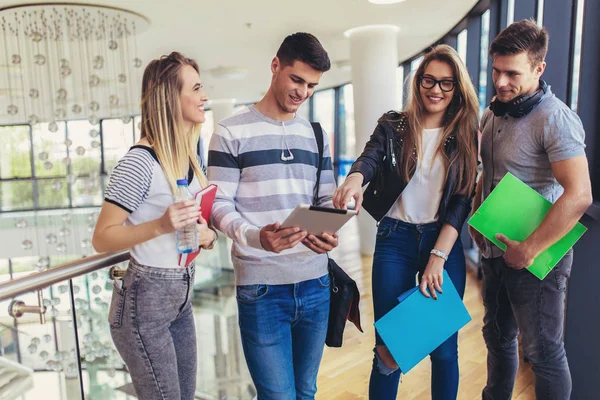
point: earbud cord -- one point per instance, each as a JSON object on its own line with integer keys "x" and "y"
{"x": 283, "y": 141}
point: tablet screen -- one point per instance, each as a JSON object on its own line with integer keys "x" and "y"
{"x": 317, "y": 220}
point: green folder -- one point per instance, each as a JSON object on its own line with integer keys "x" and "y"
{"x": 516, "y": 210}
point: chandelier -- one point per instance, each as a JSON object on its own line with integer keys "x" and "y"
{"x": 64, "y": 61}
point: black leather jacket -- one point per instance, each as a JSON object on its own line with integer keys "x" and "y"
{"x": 377, "y": 164}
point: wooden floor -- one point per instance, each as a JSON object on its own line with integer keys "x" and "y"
{"x": 344, "y": 372}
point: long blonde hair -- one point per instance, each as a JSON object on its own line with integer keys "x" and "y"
{"x": 460, "y": 120}
{"x": 162, "y": 121}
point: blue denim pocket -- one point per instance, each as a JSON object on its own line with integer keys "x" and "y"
{"x": 251, "y": 293}
{"x": 117, "y": 303}
{"x": 383, "y": 231}
{"x": 324, "y": 280}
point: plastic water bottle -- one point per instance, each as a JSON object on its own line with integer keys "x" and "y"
{"x": 186, "y": 237}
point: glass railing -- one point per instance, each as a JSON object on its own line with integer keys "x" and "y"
{"x": 70, "y": 355}
{"x": 53, "y": 326}
{"x": 67, "y": 352}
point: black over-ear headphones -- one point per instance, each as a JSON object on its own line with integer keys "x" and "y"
{"x": 519, "y": 106}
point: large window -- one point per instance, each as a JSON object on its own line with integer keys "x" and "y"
{"x": 117, "y": 137}
{"x": 414, "y": 64}
{"x": 62, "y": 166}
{"x": 85, "y": 163}
{"x": 50, "y": 151}
{"x": 16, "y": 186}
{"x": 510, "y": 12}
{"x": 347, "y": 138}
{"x": 540, "y": 12}
{"x": 15, "y": 152}
{"x": 461, "y": 45}
{"x": 324, "y": 113}
{"x": 483, "y": 71}
{"x": 577, "y": 55}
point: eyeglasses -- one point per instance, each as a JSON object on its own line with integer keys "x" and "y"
{"x": 445, "y": 84}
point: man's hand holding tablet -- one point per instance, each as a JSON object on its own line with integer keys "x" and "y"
{"x": 320, "y": 223}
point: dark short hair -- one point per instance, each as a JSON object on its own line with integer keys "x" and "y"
{"x": 524, "y": 35}
{"x": 302, "y": 46}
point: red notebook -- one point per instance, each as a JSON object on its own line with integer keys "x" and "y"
{"x": 205, "y": 198}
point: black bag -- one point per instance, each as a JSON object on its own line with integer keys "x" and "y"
{"x": 345, "y": 297}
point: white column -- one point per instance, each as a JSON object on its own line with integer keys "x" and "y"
{"x": 374, "y": 59}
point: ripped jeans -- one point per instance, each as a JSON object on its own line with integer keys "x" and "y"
{"x": 402, "y": 251}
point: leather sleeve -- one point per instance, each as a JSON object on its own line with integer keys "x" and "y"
{"x": 372, "y": 155}
{"x": 459, "y": 208}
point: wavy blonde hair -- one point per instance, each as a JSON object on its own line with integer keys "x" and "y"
{"x": 461, "y": 120}
{"x": 162, "y": 121}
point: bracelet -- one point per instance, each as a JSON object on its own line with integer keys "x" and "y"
{"x": 439, "y": 253}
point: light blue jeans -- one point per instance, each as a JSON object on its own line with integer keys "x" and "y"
{"x": 283, "y": 329}
{"x": 152, "y": 326}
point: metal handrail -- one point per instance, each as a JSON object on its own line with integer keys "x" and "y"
{"x": 49, "y": 277}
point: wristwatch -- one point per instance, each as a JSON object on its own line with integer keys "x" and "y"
{"x": 439, "y": 253}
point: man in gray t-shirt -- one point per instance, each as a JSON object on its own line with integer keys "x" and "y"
{"x": 527, "y": 147}
{"x": 530, "y": 133}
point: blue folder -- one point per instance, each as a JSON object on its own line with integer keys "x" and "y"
{"x": 418, "y": 325}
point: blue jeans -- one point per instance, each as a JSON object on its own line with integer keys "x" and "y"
{"x": 517, "y": 301}
{"x": 152, "y": 326}
{"x": 402, "y": 252}
{"x": 283, "y": 329}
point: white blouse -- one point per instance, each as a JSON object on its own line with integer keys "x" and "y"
{"x": 420, "y": 200}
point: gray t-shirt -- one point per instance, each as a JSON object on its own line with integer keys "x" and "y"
{"x": 527, "y": 146}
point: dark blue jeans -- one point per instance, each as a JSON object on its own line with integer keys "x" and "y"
{"x": 402, "y": 252}
{"x": 283, "y": 331}
{"x": 517, "y": 301}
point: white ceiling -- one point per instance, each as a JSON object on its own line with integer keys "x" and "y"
{"x": 246, "y": 34}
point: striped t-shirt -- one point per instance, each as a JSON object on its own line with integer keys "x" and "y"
{"x": 257, "y": 187}
{"x": 139, "y": 186}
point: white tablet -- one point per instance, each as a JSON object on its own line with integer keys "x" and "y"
{"x": 317, "y": 220}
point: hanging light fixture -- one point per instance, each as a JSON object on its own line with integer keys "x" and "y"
{"x": 68, "y": 61}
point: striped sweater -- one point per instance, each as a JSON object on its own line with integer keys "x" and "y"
{"x": 257, "y": 188}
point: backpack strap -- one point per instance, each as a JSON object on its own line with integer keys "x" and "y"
{"x": 319, "y": 136}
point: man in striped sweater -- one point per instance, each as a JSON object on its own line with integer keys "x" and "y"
{"x": 264, "y": 160}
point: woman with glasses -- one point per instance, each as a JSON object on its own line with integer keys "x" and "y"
{"x": 421, "y": 165}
